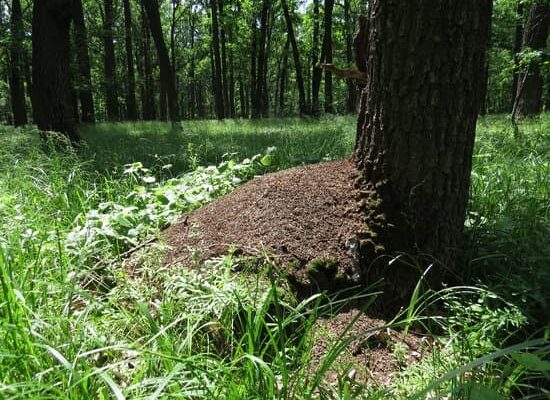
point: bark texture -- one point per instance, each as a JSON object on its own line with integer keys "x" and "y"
{"x": 416, "y": 127}
{"x": 51, "y": 74}
{"x": 530, "y": 82}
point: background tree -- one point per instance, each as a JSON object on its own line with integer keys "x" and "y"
{"x": 166, "y": 76}
{"x": 416, "y": 131}
{"x": 83, "y": 60}
{"x": 296, "y": 56}
{"x": 217, "y": 85}
{"x": 529, "y": 81}
{"x": 327, "y": 52}
{"x": 50, "y": 59}
{"x": 16, "y": 80}
{"x": 131, "y": 107}
{"x": 109, "y": 62}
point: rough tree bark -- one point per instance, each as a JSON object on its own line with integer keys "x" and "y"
{"x": 83, "y": 61}
{"x": 297, "y": 63}
{"x": 166, "y": 75}
{"x": 131, "y": 108}
{"x": 16, "y": 80}
{"x": 51, "y": 74}
{"x": 416, "y": 128}
{"x": 530, "y": 83}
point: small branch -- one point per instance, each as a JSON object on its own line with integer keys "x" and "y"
{"x": 352, "y": 74}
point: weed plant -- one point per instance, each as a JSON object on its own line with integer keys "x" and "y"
{"x": 78, "y": 322}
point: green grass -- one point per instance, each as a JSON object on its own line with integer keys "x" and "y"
{"x": 74, "y": 324}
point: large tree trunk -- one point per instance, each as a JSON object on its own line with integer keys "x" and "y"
{"x": 297, "y": 62}
{"x": 50, "y": 59}
{"x": 131, "y": 108}
{"x": 83, "y": 60}
{"x": 16, "y": 80}
{"x": 109, "y": 62}
{"x": 217, "y": 63}
{"x": 416, "y": 127}
{"x": 327, "y": 51}
{"x": 166, "y": 75}
{"x": 530, "y": 84}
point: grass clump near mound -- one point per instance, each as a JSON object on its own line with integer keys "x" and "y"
{"x": 157, "y": 332}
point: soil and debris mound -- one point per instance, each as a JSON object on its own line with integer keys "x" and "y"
{"x": 307, "y": 218}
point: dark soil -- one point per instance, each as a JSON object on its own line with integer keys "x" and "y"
{"x": 307, "y": 218}
{"x": 375, "y": 354}
{"x": 310, "y": 220}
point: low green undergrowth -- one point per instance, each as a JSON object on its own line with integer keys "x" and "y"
{"x": 77, "y": 322}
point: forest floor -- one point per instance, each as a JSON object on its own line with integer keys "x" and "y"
{"x": 90, "y": 309}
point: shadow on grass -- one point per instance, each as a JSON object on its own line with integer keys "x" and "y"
{"x": 193, "y": 143}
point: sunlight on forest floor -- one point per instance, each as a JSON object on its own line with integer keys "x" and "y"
{"x": 75, "y": 324}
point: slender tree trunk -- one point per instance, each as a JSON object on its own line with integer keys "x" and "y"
{"x": 166, "y": 72}
{"x": 109, "y": 62}
{"x": 518, "y": 38}
{"x": 28, "y": 83}
{"x": 148, "y": 96}
{"x": 242, "y": 100}
{"x": 416, "y": 130}
{"x": 261, "y": 87}
{"x": 327, "y": 45}
{"x": 316, "y": 72}
{"x": 224, "y": 74}
{"x": 297, "y": 62}
{"x": 16, "y": 80}
{"x": 351, "y": 100}
{"x": 131, "y": 108}
{"x": 83, "y": 61}
{"x": 231, "y": 85}
{"x": 217, "y": 63}
{"x": 283, "y": 77}
{"x": 192, "y": 83}
{"x": 51, "y": 73}
{"x": 253, "y": 105}
{"x": 173, "y": 57}
{"x": 530, "y": 84}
